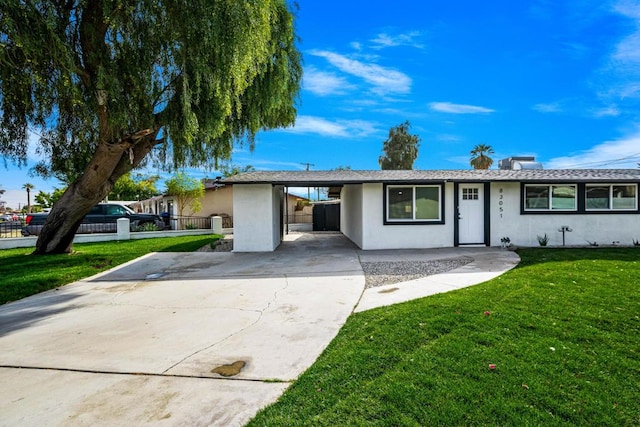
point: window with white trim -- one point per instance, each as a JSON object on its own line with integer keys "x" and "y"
{"x": 413, "y": 203}
{"x": 550, "y": 197}
{"x": 611, "y": 197}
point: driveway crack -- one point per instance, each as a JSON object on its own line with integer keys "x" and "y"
{"x": 261, "y": 313}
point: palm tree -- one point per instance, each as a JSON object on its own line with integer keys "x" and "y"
{"x": 480, "y": 156}
{"x": 28, "y": 187}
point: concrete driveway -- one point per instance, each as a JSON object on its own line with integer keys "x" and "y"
{"x": 175, "y": 339}
{"x": 197, "y": 338}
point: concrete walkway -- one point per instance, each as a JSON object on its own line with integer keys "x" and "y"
{"x": 192, "y": 338}
{"x": 487, "y": 264}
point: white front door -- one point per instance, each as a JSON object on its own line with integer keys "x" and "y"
{"x": 471, "y": 214}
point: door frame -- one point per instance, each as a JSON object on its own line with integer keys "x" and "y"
{"x": 456, "y": 213}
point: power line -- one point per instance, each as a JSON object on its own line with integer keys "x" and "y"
{"x": 633, "y": 157}
{"x": 307, "y": 165}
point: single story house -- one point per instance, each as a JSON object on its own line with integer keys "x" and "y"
{"x": 396, "y": 209}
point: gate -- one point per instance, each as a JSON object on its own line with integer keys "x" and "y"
{"x": 326, "y": 217}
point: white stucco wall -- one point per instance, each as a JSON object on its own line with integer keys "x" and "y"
{"x": 351, "y": 212}
{"x": 256, "y": 218}
{"x": 376, "y": 235}
{"x": 524, "y": 229}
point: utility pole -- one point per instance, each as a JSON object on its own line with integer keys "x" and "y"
{"x": 308, "y": 189}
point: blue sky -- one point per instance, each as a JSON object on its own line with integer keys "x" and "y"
{"x": 559, "y": 80}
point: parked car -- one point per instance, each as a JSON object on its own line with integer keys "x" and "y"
{"x": 101, "y": 218}
{"x": 9, "y": 217}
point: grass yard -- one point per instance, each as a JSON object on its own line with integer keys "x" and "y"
{"x": 23, "y": 274}
{"x": 562, "y": 329}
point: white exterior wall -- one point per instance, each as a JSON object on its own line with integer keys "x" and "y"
{"x": 351, "y": 212}
{"x": 256, "y": 219}
{"x": 524, "y": 229}
{"x": 376, "y": 235}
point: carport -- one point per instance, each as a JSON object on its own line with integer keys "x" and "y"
{"x": 260, "y": 211}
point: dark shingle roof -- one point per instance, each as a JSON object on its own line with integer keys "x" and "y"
{"x": 327, "y": 178}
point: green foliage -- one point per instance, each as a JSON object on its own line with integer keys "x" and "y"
{"x": 203, "y": 75}
{"x": 187, "y": 192}
{"x": 147, "y": 226}
{"x": 480, "y": 156}
{"x": 46, "y": 200}
{"x": 27, "y": 275}
{"x": 137, "y": 187}
{"x": 400, "y": 149}
{"x": 543, "y": 240}
{"x": 229, "y": 169}
{"x": 561, "y": 329}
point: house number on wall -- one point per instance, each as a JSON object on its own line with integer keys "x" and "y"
{"x": 500, "y": 202}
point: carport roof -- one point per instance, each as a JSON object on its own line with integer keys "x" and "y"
{"x": 332, "y": 178}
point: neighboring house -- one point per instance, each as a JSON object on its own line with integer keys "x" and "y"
{"x": 429, "y": 209}
{"x": 217, "y": 201}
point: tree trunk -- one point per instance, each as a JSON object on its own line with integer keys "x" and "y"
{"x": 109, "y": 162}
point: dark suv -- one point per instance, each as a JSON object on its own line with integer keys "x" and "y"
{"x": 101, "y": 218}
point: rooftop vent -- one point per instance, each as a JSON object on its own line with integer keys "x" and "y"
{"x": 519, "y": 163}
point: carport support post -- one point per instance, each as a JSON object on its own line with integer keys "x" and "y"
{"x": 124, "y": 232}
{"x": 286, "y": 210}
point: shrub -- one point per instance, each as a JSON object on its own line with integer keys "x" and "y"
{"x": 543, "y": 240}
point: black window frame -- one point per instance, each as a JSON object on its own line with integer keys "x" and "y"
{"x": 611, "y": 197}
{"x": 581, "y": 188}
{"x": 385, "y": 207}
{"x": 550, "y": 188}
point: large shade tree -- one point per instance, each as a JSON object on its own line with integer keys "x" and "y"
{"x": 110, "y": 84}
{"x": 400, "y": 149}
{"x": 480, "y": 156}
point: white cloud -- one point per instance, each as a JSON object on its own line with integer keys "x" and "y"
{"x": 553, "y": 107}
{"x": 323, "y": 83}
{"x": 448, "y": 107}
{"x": 620, "y": 153}
{"x": 384, "y": 40}
{"x": 610, "y": 111}
{"x": 383, "y": 80}
{"x": 448, "y": 138}
{"x": 338, "y": 128}
{"x": 621, "y": 76}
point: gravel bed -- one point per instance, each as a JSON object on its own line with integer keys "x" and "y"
{"x": 390, "y": 272}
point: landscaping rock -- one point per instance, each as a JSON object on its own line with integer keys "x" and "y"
{"x": 390, "y": 272}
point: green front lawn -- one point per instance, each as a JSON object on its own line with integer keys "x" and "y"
{"x": 22, "y": 274}
{"x": 562, "y": 329}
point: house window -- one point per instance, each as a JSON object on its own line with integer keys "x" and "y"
{"x": 469, "y": 194}
{"x": 611, "y": 197}
{"x": 413, "y": 203}
{"x": 550, "y": 197}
